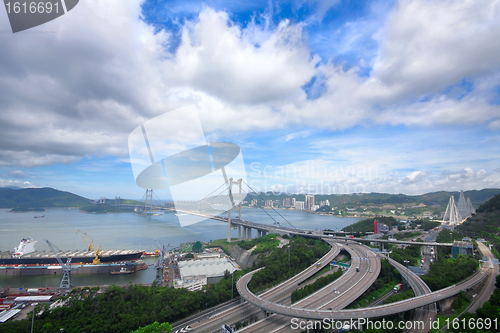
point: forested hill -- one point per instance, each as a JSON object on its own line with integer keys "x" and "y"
{"x": 491, "y": 205}
{"x": 485, "y": 223}
{"x": 39, "y": 197}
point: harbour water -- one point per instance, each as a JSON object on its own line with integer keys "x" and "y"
{"x": 127, "y": 231}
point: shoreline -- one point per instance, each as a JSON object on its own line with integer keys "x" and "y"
{"x": 27, "y": 211}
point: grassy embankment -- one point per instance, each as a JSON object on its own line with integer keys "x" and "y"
{"x": 104, "y": 209}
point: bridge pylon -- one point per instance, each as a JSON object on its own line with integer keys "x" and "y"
{"x": 233, "y": 207}
{"x": 148, "y": 203}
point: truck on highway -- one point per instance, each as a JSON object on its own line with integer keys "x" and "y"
{"x": 318, "y": 264}
{"x": 397, "y": 287}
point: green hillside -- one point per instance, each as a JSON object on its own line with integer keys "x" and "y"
{"x": 366, "y": 225}
{"x": 485, "y": 223}
{"x": 359, "y": 199}
{"x": 104, "y": 209}
{"x": 39, "y": 197}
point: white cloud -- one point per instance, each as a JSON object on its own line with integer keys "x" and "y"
{"x": 430, "y": 45}
{"x": 15, "y": 183}
{"x": 81, "y": 91}
{"x": 360, "y": 179}
{"x": 221, "y": 60}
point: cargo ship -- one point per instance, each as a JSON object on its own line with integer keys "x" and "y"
{"x": 51, "y": 269}
{"x": 25, "y": 254}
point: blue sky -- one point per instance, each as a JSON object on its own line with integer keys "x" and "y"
{"x": 365, "y": 96}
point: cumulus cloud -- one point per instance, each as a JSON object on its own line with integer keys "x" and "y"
{"x": 337, "y": 177}
{"x": 81, "y": 90}
{"x": 430, "y": 45}
{"x": 416, "y": 177}
{"x": 224, "y": 62}
{"x": 15, "y": 183}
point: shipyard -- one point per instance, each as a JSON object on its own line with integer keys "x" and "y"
{"x": 25, "y": 260}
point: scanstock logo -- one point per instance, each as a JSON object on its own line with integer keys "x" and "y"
{"x": 171, "y": 152}
{"x": 26, "y": 14}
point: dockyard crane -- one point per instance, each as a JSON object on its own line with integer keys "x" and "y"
{"x": 96, "y": 260}
{"x": 159, "y": 265}
{"x": 86, "y": 240}
{"x": 89, "y": 243}
{"x": 66, "y": 267}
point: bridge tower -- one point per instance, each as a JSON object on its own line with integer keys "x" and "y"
{"x": 148, "y": 203}
{"x": 452, "y": 215}
{"x": 232, "y": 206}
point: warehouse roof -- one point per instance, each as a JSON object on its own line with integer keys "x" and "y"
{"x": 33, "y": 298}
{"x": 4, "y": 316}
{"x": 207, "y": 267}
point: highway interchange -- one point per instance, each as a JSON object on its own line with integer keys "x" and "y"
{"x": 373, "y": 312}
{"x": 330, "y": 302}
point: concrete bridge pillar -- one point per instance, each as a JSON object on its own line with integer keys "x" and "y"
{"x": 229, "y": 226}
{"x": 445, "y": 304}
{"x": 239, "y": 232}
{"x": 259, "y": 233}
{"x": 249, "y": 234}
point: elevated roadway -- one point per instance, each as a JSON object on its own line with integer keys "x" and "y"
{"x": 357, "y": 239}
{"x": 338, "y": 294}
{"x": 489, "y": 288}
{"x": 373, "y": 312}
{"x": 276, "y": 294}
{"x": 427, "y": 313}
{"x": 301, "y": 232}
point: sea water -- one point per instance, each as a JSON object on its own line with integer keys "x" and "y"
{"x": 129, "y": 231}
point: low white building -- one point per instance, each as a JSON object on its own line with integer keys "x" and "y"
{"x": 213, "y": 269}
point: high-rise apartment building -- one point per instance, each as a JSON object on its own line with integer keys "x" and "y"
{"x": 286, "y": 202}
{"x": 299, "y": 205}
{"x": 309, "y": 202}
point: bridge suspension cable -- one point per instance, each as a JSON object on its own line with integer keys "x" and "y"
{"x": 271, "y": 207}
{"x": 215, "y": 191}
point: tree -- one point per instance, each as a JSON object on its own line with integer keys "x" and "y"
{"x": 197, "y": 246}
{"x": 155, "y": 328}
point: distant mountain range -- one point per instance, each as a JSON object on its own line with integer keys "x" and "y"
{"x": 440, "y": 198}
{"x": 49, "y": 197}
{"x": 40, "y": 197}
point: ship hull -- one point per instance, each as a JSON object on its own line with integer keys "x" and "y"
{"x": 57, "y": 270}
{"x": 76, "y": 259}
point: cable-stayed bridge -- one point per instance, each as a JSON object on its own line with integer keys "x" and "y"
{"x": 458, "y": 213}
{"x": 224, "y": 200}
